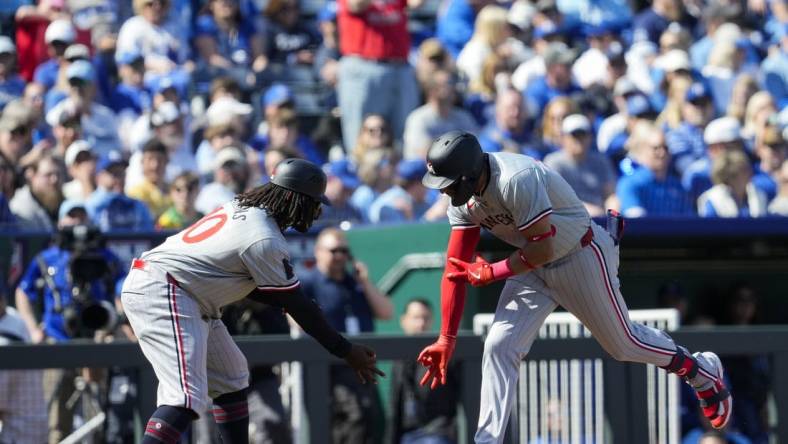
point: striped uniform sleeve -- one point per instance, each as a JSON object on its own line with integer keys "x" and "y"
{"x": 269, "y": 264}
{"x": 525, "y": 195}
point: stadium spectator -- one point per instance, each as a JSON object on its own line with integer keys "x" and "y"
{"x": 671, "y": 67}
{"x": 22, "y": 405}
{"x": 11, "y": 84}
{"x": 327, "y": 56}
{"x": 99, "y": 125}
{"x": 7, "y": 188}
{"x": 374, "y": 42}
{"x": 59, "y": 34}
{"x": 616, "y": 123}
{"x": 775, "y": 66}
{"x": 230, "y": 177}
{"x": 55, "y": 296}
{"x": 375, "y": 134}
{"x": 743, "y": 88}
{"x": 534, "y": 67}
{"x": 771, "y": 150}
{"x": 653, "y": 21}
{"x": 592, "y": 65}
{"x": 36, "y": 204}
{"x": 289, "y": 40}
{"x": 109, "y": 209}
{"x": 714, "y": 15}
{"x": 33, "y": 100}
{"x": 481, "y": 93}
{"x": 651, "y": 190}
{"x": 733, "y": 193}
{"x": 340, "y": 185}
{"x": 760, "y": 107}
{"x": 225, "y": 39}
{"x": 454, "y": 24}
{"x": 59, "y": 91}
{"x": 130, "y": 95}
{"x": 721, "y": 135}
{"x": 418, "y": 413}
{"x": 183, "y": 194}
{"x": 376, "y": 173}
{"x": 671, "y": 114}
{"x": 144, "y": 33}
{"x": 152, "y": 189}
{"x": 491, "y": 30}
{"x": 439, "y": 115}
{"x": 779, "y": 205}
{"x": 638, "y": 109}
{"x": 226, "y": 118}
{"x": 351, "y": 302}
{"x": 283, "y": 133}
{"x": 557, "y": 80}
{"x": 15, "y": 129}
{"x": 432, "y": 57}
{"x": 588, "y": 172}
{"x": 549, "y": 139}
{"x": 511, "y": 129}
{"x": 686, "y": 141}
{"x": 725, "y": 64}
{"x": 408, "y": 199}
{"x": 81, "y": 164}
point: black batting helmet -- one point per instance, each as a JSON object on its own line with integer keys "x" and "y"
{"x": 301, "y": 176}
{"x": 452, "y": 156}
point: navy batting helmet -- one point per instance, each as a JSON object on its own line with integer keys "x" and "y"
{"x": 303, "y": 177}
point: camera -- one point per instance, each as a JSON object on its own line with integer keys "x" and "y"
{"x": 87, "y": 268}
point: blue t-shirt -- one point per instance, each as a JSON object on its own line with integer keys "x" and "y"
{"x": 128, "y": 97}
{"x": 114, "y": 211}
{"x": 46, "y": 73}
{"x": 494, "y": 139}
{"x": 641, "y": 193}
{"x": 338, "y": 300}
{"x": 686, "y": 145}
{"x": 455, "y": 26}
{"x": 235, "y": 46}
{"x": 539, "y": 94}
{"x": 58, "y": 259}
{"x": 11, "y": 89}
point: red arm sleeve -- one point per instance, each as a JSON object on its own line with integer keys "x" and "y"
{"x": 462, "y": 244}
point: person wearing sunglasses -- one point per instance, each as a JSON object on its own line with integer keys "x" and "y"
{"x": 59, "y": 34}
{"x": 12, "y": 86}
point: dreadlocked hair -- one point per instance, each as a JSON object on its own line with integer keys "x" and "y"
{"x": 288, "y": 208}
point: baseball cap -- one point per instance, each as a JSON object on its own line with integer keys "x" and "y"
{"x": 624, "y": 86}
{"x": 225, "y": 110}
{"x": 411, "y": 169}
{"x": 15, "y": 115}
{"x": 277, "y": 94}
{"x": 76, "y": 51}
{"x": 574, "y": 123}
{"x": 70, "y": 205}
{"x": 673, "y": 60}
{"x": 722, "y": 130}
{"x": 166, "y": 112}
{"x": 81, "y": 70}
{"x": 697, "y": 91}
{"x": 109, "y": 160}
{"x": 163, "y": 83}
{"x": 345, "y": 171}
{"x": 228, "y": 154}
{"x": 328, "y": 13}
{"x": 559, "y": 53}
{"x": 520, "y": 14}
{"x": 638, "y": 105}
{"x": 60, "y": 30}
{"x": 75, "y": 149}
{"x": 546, "y": 5}
{"x": 7, "y": 45}
{"x": 128, "y": 57}
{"x": 546, "y": 30}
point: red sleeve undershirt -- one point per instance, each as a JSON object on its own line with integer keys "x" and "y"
{"x": 462, "y": 244}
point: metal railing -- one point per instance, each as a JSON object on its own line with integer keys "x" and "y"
{"x": 625, "y": 384}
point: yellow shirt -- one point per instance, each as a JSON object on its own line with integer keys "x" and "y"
{"x": 152, "y": 196}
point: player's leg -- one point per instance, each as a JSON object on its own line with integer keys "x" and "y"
{"x": 522, "y": 308}
{"x": 228, "y": 380}
{"x": 173, "y": 337}
{"x": 587, "y": 285}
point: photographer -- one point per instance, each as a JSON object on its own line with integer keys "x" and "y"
{"x": 72, "y": 285}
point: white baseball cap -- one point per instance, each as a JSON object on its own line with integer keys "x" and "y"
{"x": 575, "y": 122}
{"x": 7, "y": 45}
{"x": 77, "y": 51}
{"x": 166, "y": 112}
{"x": 228, "y": 154}
{"x": 673, "y": 60}
{"x": 722, "y": 130}
{"x": 61, "y": 30}
{"x": 75, "y": 149}
{"x": 226, "y": 109}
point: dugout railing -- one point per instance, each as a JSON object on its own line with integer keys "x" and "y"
{"x": 625, "y": 384}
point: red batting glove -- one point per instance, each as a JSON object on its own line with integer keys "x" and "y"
{"x": 436, "y": 358}
{"x": 478, "y": 274}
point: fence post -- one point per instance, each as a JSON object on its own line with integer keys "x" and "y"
{"x": 617, "y": 408}
{"x": 471, "y": 395}
{"x": 318, "y": 401}
{"x": 780, "y": 386}
{"x": 638, "y": 403}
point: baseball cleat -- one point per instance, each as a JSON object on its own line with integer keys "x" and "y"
{"x": 716, "y": 400}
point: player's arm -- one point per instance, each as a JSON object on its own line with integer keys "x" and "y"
{"x": 462, "y": 244}
{"x": 308, "y": 315}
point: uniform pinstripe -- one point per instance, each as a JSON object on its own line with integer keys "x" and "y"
{"x": 583, "y": 280}
{"x": 173, "y": 301}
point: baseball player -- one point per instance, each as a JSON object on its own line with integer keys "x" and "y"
{"x": 561, "y": 257}
{"x": 174, "y": 293}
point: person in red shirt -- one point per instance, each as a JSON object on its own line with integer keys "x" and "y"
{"x": 374, "y": 74}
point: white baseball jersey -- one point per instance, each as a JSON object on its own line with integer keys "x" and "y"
{"x": 221, "y": 258}
{"x": 520, "y": 192}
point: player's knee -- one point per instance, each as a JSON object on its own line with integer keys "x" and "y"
{"x": 499, "y": 347}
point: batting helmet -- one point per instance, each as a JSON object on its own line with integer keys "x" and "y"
{"x": 454, "y": 158}
{"x": 302, "y": 177}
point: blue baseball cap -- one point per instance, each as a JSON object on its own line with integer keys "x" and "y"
{"x": 697, "y": 91}
{"x": 601, "y": 29}
{"x": 82, "y": 70}
{"x": 546, "y": 30}
{"x": 328, "y": 13}
{"x": 128, "y": 57}
{"x": 345, "y": 171}
{"x": 412, "y": 169}
{"x": 277, "y": 94}
{"x": 68, "y": 206}
{"x": 109, "y": 160}
{"x": 638, "y": 105}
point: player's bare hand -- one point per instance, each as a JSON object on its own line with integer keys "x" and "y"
{"x": 436, "y": 358}
{"x": 362, "y": 359}
{"x": 478, "y": 273}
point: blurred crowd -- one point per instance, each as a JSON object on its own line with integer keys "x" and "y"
{"x": 151, "y": 113}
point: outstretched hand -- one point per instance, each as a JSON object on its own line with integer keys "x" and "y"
{"x": 436, "y": 358}
{"x": 478, "y": 273}
{"x": 363, "y": 360}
